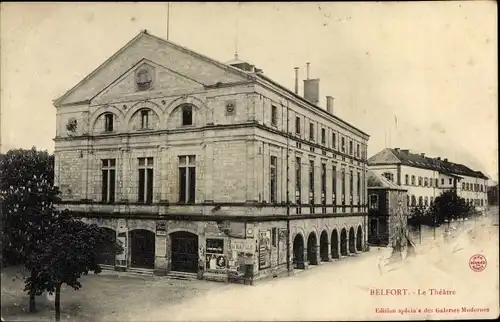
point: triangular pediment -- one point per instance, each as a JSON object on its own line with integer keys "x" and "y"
{"x": 176, "y": 59}
{"x": 146, "y": 77}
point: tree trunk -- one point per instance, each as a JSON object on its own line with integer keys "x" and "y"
{"x": 32, "y": 292}
{"x": 58, "y": 302}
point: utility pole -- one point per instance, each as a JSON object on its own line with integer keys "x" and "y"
{"x": 168, "y": 18}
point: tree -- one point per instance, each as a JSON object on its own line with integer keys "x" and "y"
{"x": 448, "y": 206}
{"x": 27, "y": 195}
{"x": 53, "y": 247}
{"x": 73, "y": 252}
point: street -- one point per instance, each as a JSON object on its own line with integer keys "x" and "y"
{"x": 341, "y": 290}
{"x": 365, "y": 286}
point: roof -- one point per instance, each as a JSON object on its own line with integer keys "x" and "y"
{"x": 118, "y": 70}
{"x": 408, "y": 158}
{"x": 261, "y": 76}
{"x": 90, "y": 93}
{"x": 378, "y": 181}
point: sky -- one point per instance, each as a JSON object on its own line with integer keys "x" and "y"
{"x": 414, "y": 75}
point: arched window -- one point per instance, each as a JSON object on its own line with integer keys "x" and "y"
{"x": 412, "y": 180}
{"x": 420, "y": 201}
{"x": 426, "y": 201}
{"x": 413, "y": 200}
{"x": 431, "y": 201}
{"x": 408, "y": 200}
{"x": 187, "y": 114}
{"x": 407, "y": 179}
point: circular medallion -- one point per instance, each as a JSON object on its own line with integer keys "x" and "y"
{"x": 143, "y": 79}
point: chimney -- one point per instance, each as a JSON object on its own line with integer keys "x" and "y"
{"x": 422, "y": 155}
{"x": 311, "y": 88}
{"x": 329, "y": 104}
{"x": 397, "y": 149}
{"x": 308, "y": 66}
{"x": 405, "y": 151}
{"x": 296, "y": 80}
{"x": 445, "y": 159}
{"x": 438, "y": 158}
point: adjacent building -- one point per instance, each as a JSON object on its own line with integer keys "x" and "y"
{"x": 426, "y": 177}
{"x": 387, "y": 211}
{"x": 209, "y": 169}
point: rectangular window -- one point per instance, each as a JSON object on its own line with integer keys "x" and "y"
{"x": 274, "y": 237}
{"x": 323, "y": 183}
{"x": 311, "y": 131}
{"x": 297, "y": 125}
{"x": 187, "y": 115}
{"x": 425, "y": 182}
{"x": 311, "y": 182}
{"x": 323, "y": 136}
{"x": 144, "y": 119}
{"x": 187, "y": 178}
{"x": 351, "y": 187}
{"x": 334, "y": 184}
{"x": 373, "y": 202}
{"x": 419, "y": 181}
{"x": 342, "y": 175}
{"x": 108, "y": 180}
{"x": 274, "y": 179}
{"x": 437, "y": 182}
{"x": 412, "y": 180}
{"x": 350, "y": 147}
{"x": 334, "y": 141}
{"x": 357, "y": 150}
{"x": 358, "y": 187}
{"x": 274, "y": 115}
{"x": 442, "y": 181}
{"x": 145, "y": 192}
{"x": 407, "y": 179}
{"x": 298, "y": 184}
{"x": 450, "y": 181}
{"x": 342, "y": 146}
{"x": 108, "y": 122}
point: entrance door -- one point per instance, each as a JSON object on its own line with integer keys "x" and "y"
{"x": 142, "y": 247}
{"x": 184, "y": 252}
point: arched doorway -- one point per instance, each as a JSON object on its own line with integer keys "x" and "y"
{"x": 343, "y": 242}
{"x": 312, "y": 249}
{"x": 107, "y": 253}
{"x": 359, "y": 239}
{"x": 142, "y": 249}
{"x": 298, "y": 252}
{"x": 184, "y": 252}
{"x": 352, "y": 245}
{"x": 335, "y": 244}
{"x": 323, "y": 246}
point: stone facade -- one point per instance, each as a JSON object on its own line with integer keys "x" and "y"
{"x": 426, "y": 178}
{"x": 239, "y": 120}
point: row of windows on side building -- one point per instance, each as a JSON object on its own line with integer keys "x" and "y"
{"x": 429, "y": 182}
{"x": 274, "y": 122}
{"x": 422, "y": 201}
{"x": 187, "y": 181}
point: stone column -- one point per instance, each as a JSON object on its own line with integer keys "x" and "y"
{"x": 160, "y": 254}
{"x": 329, "y": 258}
{"x": 125, "y": 174}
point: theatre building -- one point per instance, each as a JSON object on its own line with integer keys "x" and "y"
{"x": 189, "y": 163}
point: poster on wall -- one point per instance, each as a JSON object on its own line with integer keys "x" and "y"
{"x": 215, "y": 258}
{"x": 282, "y": 246}
{"x": 264, "y": 249}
